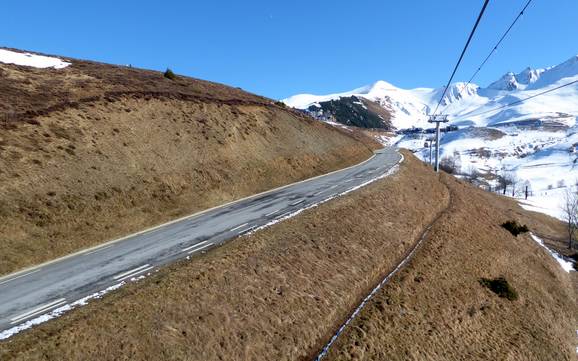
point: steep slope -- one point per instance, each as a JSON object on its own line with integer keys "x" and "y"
{"x": 437, "y": 308}
{"x": 90, "y": 152}
{"x": 281, "y": 293}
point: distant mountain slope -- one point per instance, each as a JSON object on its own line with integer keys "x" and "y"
{"x": 410, "y": 108}
{"x": 535, "y": 142}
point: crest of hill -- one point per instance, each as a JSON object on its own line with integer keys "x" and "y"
{"x": 28, "y": 91}
{"x": 87, "y": 144}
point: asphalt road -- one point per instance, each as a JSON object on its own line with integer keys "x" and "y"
{"x": 31, "y": 293}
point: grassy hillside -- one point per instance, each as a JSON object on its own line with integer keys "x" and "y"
{"x": 94, "y": 151}
{"x": 281, "y": 293}
{"x": 438, "y": 308}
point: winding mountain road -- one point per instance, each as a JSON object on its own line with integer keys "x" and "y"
{"x": 31, "y": 293}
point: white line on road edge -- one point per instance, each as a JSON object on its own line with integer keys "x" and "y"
{"x": 193, "y": 246}
{"x": 56, "y": 312}
{"x": 291, "y": 214}
{"x": 296, "y": 203}
{"x": 24, "y": 275}
{"x": 236, "y": 228}
{"x": 200, "y": 248}
{"x": 136, "y": 273}
{"x": 131, "y": 271}
{"x": 98, "y": 249}
{"x": 37, "y": 310}
{"x": 284, "y": 215}
{"x": 2, "y": 278}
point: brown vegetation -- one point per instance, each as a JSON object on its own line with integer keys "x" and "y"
{"x": 437, "y": 308}
{"x": 274, "y": 295}
{"x": 93, "y": 144}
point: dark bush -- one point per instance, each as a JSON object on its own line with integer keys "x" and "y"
{"x": 450, "y": 165}
{"x": 501, "y": 287}
{"x": 515, "y": 228}
{"x": 169, "y": 74}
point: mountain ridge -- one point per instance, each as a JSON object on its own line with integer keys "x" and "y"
{"x": 410, "y": 107}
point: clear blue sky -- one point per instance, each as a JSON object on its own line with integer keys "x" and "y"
{"x": 279, "y": 48}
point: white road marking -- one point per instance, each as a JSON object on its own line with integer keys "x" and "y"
{"x": 200, "y": 248}
{"x": 272, "y": 213}
{"x": 99, "y": 249}
{"x": 333, "y": 186}
{"x": 236, "y": 228}
{"x": 136, "y": 273}
{"x": 222, "y": 206}
{"x": 296, "y": 203}
{"x": 38, "y": 310}
{"x": 24, "y": 275}
{"x": 131, "y": 271}
{"x": 194, "y": 246}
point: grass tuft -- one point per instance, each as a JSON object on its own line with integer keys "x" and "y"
{"x": 501, "y": 287}
{"x": 515, "y": 228}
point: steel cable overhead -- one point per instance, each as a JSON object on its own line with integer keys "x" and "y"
{"x": 494, "y": 48}
{"x": 463, "y": 52}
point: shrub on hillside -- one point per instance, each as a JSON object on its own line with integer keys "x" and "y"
{"x": 451, "y": 164}
{"x": 501, "y": 287}
{"x": 169, "y": 74}
{"x": 515, "y": 228}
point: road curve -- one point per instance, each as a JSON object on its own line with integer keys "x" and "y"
{"x": 29, "y": 294}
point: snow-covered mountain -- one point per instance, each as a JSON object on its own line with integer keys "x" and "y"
{"x": 410, "y": 107}
{"x": 535, "y": 142}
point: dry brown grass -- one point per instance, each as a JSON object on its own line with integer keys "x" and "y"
{"x": 274, "y": 295}
{"x": 66, "y": 182}
{"x": 436, "y": 308}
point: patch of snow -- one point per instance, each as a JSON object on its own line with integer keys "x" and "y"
{"x": 33, "y": 60}
{"x": 566, "y": 265}
{"x": 63, "y": 309}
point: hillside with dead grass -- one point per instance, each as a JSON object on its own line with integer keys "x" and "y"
{"x": 277, "y": 294}
{"x": 93, "y": 152}
{"x": 281, "y": 293}
{"x": 439, "y": 306}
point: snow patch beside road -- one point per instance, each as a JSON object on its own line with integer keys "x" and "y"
{"x": 60, "y": 310}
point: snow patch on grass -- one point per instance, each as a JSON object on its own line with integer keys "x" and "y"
{"x": 566, "y": 265}
{"x": 33, "y": 60}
